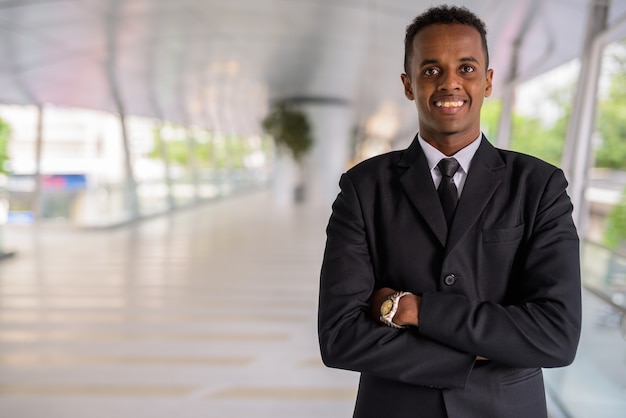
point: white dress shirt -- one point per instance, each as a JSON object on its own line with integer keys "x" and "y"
{"x": 464, "y": 157}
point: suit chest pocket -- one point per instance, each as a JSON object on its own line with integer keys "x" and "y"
{"x": 503, "y": 234}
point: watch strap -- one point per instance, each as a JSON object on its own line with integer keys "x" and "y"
{"x": 388, "y": 318}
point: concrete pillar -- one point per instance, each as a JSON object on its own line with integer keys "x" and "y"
{"x": 505, "y": 124}
{"x": 130, "y": 187}
{"x": 167, "y": 172}
{"x": 38, "y": 192}
{"x": 111, "y": 67}
{"x": 529, "y": 12}
{"x": 192, "y": 164}
{"x": 332, "y": 123}
{"x": 285, "y": 178}
{"x": 576, "y": 155}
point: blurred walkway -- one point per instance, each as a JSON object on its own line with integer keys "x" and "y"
{"x": 209, "y": 312}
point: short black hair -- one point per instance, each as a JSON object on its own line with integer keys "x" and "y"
{"x": 443, "y": 15}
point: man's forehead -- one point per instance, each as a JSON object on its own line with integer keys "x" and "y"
{"x": 462, "y": 41}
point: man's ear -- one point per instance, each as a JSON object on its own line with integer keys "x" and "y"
{"x": 408, "y": 89}
{"x": 489, "y": 82}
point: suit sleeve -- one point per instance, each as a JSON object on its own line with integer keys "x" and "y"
{"x": 542, "y": 327}
{"x": 349, "y": 337}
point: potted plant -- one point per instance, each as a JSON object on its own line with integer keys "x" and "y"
{"x": 291, "y": 131}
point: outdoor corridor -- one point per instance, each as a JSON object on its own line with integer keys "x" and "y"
{"x": 207, "y": 312}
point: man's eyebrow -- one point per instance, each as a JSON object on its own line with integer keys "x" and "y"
{"x": 434, "y": 61}
{"x": 428, "y": 62}
{"x": 469, "y": 59}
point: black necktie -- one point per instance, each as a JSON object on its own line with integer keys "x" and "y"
{"x": 448, "y": 193}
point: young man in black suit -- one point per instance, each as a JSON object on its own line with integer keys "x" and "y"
{"x": 449, "y": 285}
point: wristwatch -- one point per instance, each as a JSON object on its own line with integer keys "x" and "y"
{"x": 389, "y": 307}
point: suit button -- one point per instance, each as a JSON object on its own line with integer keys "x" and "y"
{"x": 450, "y": 279}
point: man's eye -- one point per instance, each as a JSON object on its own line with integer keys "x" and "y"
{"x": 431, "y": 71}
{"x": 468, "y": 69}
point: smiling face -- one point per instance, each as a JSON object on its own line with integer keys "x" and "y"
{"x": 448, "y": 80}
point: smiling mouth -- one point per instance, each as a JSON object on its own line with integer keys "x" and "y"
{"x": 450, "y": 104}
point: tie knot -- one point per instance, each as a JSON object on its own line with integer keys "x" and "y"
{"x": 448, "y": 166}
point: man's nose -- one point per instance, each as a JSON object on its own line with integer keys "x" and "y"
{"x": 449, "y": 81}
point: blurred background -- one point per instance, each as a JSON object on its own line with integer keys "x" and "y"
{"x": 166, "y": 175}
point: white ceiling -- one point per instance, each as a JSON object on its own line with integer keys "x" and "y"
{"x": 217, "y": 63}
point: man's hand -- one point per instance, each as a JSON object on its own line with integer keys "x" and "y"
{"x": 408, "y": 307}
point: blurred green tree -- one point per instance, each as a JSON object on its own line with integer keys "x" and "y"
{"x": 5, "y": 136}
{"x": 615, "y": 231}
{"x": 532, "y": 134}
{"x": 290, "y": 129}
{"x": 611, "y": 121}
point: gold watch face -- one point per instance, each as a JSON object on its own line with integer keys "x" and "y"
{"x": 385, "y": 308}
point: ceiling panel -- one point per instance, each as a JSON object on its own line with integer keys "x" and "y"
{"x": 203, "y": 61}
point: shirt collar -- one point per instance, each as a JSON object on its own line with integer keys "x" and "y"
{"x": 464, "y": 156}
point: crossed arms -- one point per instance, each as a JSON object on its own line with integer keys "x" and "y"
{"x": 449, "y": 331}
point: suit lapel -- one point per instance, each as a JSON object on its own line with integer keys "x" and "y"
{"x": 483, "y": 179}
{"x": 418, "y": 185}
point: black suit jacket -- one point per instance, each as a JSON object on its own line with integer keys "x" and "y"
{"x": 502, "y": 283}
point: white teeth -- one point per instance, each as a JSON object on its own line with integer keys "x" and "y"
{"x": 449, "y": 104}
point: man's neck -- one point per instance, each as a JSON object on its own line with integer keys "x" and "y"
{"x": 450, "y": 144}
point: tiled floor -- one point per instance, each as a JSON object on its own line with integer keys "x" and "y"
{"x": 208, "y": 312}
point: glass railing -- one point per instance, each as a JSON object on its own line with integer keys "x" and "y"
{"x": 112, "y": 204}
{"x": 595, "y": 384}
